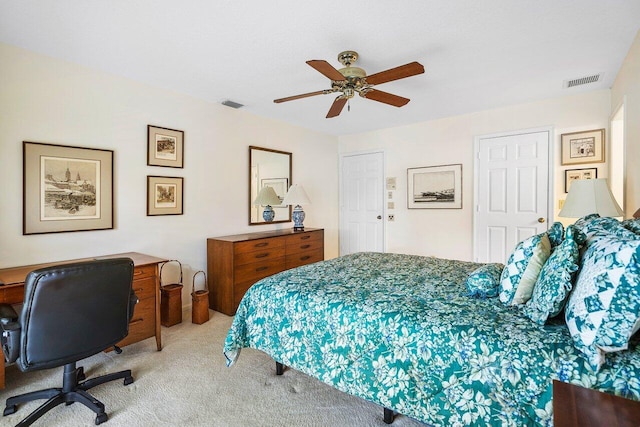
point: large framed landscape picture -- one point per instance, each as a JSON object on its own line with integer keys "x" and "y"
{"x": 66, "y": 188}
{"x": 435, "y": 187}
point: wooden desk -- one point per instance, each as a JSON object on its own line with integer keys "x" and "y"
{"x": 145, "y": 322}
{"x": 584, "y": 407}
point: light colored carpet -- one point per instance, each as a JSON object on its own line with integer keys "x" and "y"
{"x": 188, "y": 384}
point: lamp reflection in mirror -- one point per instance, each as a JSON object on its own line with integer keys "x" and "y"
{"x": 589, "y": 196}
{"x": 267, "y": 197}
{"x": 297, "y": 196}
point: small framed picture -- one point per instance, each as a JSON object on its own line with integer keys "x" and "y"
{"x": 66, "y": 188}
{"x": 435, "y": 187}
{"x": 583, "y": 147}
{"x": 571, "y": 175}
{"x": 165, "y": 195}
{"x": 165, "y": 147}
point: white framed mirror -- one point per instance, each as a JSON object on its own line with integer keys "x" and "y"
{"x": 268, "y": 168}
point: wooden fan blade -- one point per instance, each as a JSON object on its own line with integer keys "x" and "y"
{"x": 397, "y": 73}
{"x": 387, "y": 98}
{"x": 304, "y": 95}
{"x": 327, "y": 69}
{"x": 336, "y": 107}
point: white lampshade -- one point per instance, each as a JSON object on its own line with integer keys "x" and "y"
{"x": 296, "y": 196}
{"x": 267, "y": 196}
{"x": 588, "y": 196}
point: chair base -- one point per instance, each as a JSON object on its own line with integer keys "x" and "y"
{"x": 72, "y": 391}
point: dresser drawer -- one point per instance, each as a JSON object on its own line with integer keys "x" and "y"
{"x": 258, "y": 245}
{"x": 296, "y": 240}
{"x": 303, "y": 246}
{"x": 258, "y": 270}
{"x": 242, "y": 258}
{"x": 306, "y": 257}
{"x": 143, "y": 322}
{"x": 144, "y": 271}
{"x": 144, "y": 288}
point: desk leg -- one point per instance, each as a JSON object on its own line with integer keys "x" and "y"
{"x": 1, "y": 370}
{"x": 158, "y": 329}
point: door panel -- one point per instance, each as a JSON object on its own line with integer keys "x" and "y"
{"x": 361, "y": 207}
{"x": 512, "y": 174}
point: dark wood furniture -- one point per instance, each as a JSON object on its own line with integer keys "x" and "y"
{"x": 236, "y": 262}
{"x": 145, "y": 322}
{"x": 575, "y": 406}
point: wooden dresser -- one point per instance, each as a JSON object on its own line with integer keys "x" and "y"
{"x": 145, "y": 322}
{"x": 234, "y": 263}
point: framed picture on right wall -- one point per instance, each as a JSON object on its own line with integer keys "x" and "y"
{"x": 583, "y": 147}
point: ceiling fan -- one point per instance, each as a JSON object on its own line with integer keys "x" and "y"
{"x": 351, "y": 80}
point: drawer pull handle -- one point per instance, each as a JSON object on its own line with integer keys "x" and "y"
{"x": 138, "y": 290}
{"x": 137, "y": 272}
{"x": 305, "y": 246}
{"x": 304, "y": 258}
{"x": 262, "y": 255}
{"x": 262, "y": 245}
{"x": 134, "y": 321}
{"x": 261, "y": 269}
{"x": 305, "y": 237}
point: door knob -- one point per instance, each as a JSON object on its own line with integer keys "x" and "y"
{"x": 540, "y": 220}
{"x": 379, "y": 217}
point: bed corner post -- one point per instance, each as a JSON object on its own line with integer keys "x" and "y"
{"x": 279, "y": 368}
{"x": 389, "y": 415}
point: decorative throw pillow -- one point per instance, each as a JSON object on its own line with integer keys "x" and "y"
{"x": 603, "y": 311}
{"x": 556, "y": 234}
{"x": 522, "y": 269}
{"x": 632, "y": 224}
{"x": 555, "y": 280}
{"x": 483, "y": 282}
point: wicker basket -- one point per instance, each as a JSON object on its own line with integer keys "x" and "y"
{"x": 171, "y": 299}
{"x": 199, "y": 301}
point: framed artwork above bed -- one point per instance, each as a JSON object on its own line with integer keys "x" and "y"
{"x": 435, "y": 187}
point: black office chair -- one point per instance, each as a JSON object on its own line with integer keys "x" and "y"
{"x": 70, "y": 312}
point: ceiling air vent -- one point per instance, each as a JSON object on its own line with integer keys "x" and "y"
{"x": 582, "y": 80}
{"x": 232, "y": 104}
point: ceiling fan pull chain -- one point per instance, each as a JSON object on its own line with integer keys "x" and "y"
{"x": 349, "y": 105}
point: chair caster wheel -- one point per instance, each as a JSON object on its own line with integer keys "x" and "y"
{"x": 101, "y": 418}
{"x": 128, "y": 380}
{"x": 81, "y": 376}
{"x": 10, "y": 410}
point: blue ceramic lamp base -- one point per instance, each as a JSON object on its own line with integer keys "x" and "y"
{"x": 298, "y": 218}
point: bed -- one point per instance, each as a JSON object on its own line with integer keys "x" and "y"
{"x": 401, "y": 331}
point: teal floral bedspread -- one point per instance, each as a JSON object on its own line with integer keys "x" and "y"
{"x": 400, "y": 331}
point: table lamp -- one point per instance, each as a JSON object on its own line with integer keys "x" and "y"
{"x": 297, "y": 196}
{"x": 588, "y": 196}
{"x": 267, "y": 197}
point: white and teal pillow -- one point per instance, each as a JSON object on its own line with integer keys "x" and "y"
{"x": 556, "y": 234}
{"x": 632, "y": 225}
{"x": 522, "y": 269}
{"x": 483, "y": 282}
{"x": 555, "y": 280}
{"x": 603, "y": 311}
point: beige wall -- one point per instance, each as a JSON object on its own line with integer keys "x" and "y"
{"x": 626, "y": 88}
{"x": 448, "y": 233}
{"x": 48, "y": 100}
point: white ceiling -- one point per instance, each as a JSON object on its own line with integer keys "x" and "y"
{"x": 478, "y": 54}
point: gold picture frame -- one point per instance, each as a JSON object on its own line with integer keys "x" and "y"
{"x": 66, "y": 188}
{"x": 583, "y": 147}
{"x": 165, "y": 147}
{"x": 165, "y": 195}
